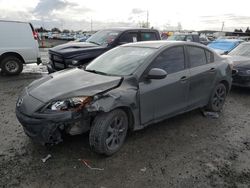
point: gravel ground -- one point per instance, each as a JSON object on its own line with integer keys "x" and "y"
{"x": 186, "y": 151}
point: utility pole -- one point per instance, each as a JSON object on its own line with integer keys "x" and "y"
{"x": 222, "y": 26}
{"x": 147, "y": 19}
{"x": 91, "y": 25}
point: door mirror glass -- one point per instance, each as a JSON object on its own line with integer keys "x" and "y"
{"x": 156, "y": 73}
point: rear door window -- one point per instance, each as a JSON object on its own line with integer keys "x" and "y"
{"x": 197, "y": 56}
{"x": 147, "y": 36}
{"x": 171, "y": 60}
{"x": 129, "y": 37}
{"x": 210, "y": 56}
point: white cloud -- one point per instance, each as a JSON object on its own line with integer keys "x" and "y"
{"x": 76, "y": 14}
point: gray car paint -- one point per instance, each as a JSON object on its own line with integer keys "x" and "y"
{"x": 76, "y": 82}
{"x": 164, "y": 96}
{"x": 145, "y": 101}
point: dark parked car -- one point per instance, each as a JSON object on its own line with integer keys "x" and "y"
{"x": 240, "y": 57}
{"x": 76, "y": 54}
{"x": 127, "y": 88}
{"x": 224, "y": 46}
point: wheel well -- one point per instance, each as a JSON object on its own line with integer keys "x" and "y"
{"x": 226, "y": 84}
{"x": 11, "y": 54}
{"x": 130, "y": 115}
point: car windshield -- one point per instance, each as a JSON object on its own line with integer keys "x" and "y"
{"x": 222, "y": 45}
{"x": 241, "y": 50}
{"x": 120, "y": 61}
{"x": 177, "y": 37}
{"x": 103, "y": 38}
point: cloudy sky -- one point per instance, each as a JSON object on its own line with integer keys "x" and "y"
{"x": 163, "y": 14}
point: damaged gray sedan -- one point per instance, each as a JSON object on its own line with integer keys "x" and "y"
{"x": 127, "y": 88}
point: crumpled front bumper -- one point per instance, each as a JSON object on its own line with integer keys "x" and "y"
{"x": 47, "y": 128}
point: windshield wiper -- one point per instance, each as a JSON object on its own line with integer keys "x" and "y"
{"x": 94, "y": 43}
{"x": 96, "y": 72}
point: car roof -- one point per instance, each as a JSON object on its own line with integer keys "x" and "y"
{"x": 160, "y": 44}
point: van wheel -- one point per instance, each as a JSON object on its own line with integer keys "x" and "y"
{"x": 12, "y": 65}
{"x": 108, "y": 132}
{"x": 218, "y": 98}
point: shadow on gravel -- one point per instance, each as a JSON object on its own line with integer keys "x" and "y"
{"x": 240, "y": 90}
{"x": 22, "y": 76}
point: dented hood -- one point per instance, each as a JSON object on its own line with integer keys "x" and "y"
{"x": 69, "y": 50}
{"x": 70, "y": 83}
{"x": 74, "y": 45}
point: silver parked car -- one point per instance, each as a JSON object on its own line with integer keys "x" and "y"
{"x": 127, "y": 88}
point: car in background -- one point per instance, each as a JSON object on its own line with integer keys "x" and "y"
{"x": 18, "y": 46}
{"x": 126, "y": 88}
{"x": 80, "y": 53}
{"x": 189, "y": 37}
{"x": 240, "y": 56}
{"x": 204, "y": 40}
{"x": 245, "y": 38}
{"x": 224, "y": 46}
{"x": 81, "y": 39}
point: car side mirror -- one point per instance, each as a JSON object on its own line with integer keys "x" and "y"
{"x": 156, "y": 74}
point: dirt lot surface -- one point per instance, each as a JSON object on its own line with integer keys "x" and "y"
{"x": 186, "y": 151}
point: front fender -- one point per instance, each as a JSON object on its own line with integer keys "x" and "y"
{"x": 118, "y": 99}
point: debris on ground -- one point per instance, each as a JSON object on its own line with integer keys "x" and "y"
{"x": 193, "y": 135}
{"x": 85, "y": 162}
{"x": 46, "y": 158}
{"x": 143, "y": 169}
{"x": 214, "y": 115}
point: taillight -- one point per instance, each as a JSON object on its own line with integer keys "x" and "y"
{"x": 35, "y": 35}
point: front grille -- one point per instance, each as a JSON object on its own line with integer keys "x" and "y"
{"x": 57, "y": 61}
{"x": 59, "y": 65}
{"x": 57, "y": 58}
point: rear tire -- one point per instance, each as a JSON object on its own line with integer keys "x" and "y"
{"x": 11, "y": 65}
{"x": 217, "y": 98}
{"x": 108, "y": 132}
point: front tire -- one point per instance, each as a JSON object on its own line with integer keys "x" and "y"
{"x": 12, "y": 65}
{"x": 217, "y": 98}
{"x": 108, "y": 132}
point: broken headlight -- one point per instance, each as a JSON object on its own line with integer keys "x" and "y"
{"x": 73, "y": 104}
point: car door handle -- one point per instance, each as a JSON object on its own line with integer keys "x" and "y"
{"x": 212, "y": 70}
{"x": 183, "y": 79}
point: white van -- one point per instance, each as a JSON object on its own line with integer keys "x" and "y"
{"x": 18, "y": 46}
